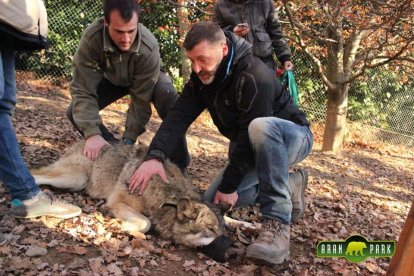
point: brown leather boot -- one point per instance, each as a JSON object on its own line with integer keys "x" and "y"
{"x": 272, "y": 245}
{"x": 298, "y": 181}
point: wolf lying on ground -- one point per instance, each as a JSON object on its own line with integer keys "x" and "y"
{"x": 174, "y": 209}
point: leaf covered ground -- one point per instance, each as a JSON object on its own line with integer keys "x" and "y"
{"x": 365, "y": 190}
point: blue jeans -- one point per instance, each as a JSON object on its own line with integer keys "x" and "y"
{"x": 13, "y": 171}
{"x": 277, "y": 144}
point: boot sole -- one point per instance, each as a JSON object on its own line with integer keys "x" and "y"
{"x": 262, "y": 260}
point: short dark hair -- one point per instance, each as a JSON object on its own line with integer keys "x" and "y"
{"x": 203, "y": 30}
{"x": 125, "y": 8}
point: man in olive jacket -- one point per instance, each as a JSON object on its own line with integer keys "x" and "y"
{"x": 267, "y": 134}
{"x": 118, "y": 56}
{"x": 260, "y": 26}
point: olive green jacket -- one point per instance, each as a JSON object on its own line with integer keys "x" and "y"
{"x": 97, "y": 57}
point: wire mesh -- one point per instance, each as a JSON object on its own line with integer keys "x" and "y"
{"x": 380, "y": 101}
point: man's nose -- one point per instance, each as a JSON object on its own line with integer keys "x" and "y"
{"x": 196, "y": 67}
{"x": 125, "y": 37}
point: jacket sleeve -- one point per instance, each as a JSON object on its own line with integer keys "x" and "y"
{"x": 187, "y": 108}
{"x": 255, "y": 93}
{"x": 86, "y": 76}
{"x": 146, "y": 74}
{"x": 219, "y": 19}
{"x": 274, "y": 29}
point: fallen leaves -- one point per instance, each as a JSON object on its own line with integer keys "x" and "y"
{"x": 366, "y": 190}
{"x": 76, "y": 249}
{"x": 35, "y": 251}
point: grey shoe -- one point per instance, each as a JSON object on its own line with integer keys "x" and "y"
{"x": 45, "y": 205}
{"x": 272, "y": 245}
{"x": 298, "y": 181}
{"x": 3, "y": 238}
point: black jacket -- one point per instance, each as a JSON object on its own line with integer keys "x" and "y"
{"x": 243, "y": 89}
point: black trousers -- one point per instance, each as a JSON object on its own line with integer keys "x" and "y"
{"x": 164, "y": 97}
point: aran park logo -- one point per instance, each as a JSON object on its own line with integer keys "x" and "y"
{"x": 355, "y": 249}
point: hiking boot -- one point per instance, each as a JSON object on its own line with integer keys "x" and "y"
{"x": 272, "y": 245}
{"x": 41, "y": 205}
{"x": 3, "y": 238}
{"x": 298, "y": 181}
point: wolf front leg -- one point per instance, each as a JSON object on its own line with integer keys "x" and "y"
{"x": 132, "y": 221}
{"x": 234, "y": 223}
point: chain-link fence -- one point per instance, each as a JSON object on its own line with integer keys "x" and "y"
{"x": 380, "y": 100}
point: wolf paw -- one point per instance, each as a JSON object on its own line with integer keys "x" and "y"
{"x": 135, "y": 227}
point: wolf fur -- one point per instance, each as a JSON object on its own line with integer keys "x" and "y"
{"x": 174, "y": 209}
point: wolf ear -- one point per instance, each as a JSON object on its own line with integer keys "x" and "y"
{"x": 185, "y": 208}
{"x": 223, "y": 207}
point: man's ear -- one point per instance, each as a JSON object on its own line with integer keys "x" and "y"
{"x": 225, "y": 48}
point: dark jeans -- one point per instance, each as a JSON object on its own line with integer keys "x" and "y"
{"x": 164, "y": 97}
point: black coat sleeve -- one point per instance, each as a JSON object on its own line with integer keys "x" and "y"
{"x": 187, "y": 108}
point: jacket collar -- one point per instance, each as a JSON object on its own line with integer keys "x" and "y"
{"x": 109, "y": 47}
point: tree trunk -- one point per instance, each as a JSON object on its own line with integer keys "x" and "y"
{"x": 336, "y": 113}
{"x": 184, "y": 26}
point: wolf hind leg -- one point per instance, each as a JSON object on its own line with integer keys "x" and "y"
{"x": 70, "y": 172}
{"x": 70, "y": 182}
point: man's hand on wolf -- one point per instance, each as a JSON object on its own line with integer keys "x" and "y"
{"x": 228, "y": 198}
{"x": 144, "y": 173}
{"x": 93, "y": 146}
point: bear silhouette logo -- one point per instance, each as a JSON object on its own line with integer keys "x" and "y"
{"x": 356, "y": 247}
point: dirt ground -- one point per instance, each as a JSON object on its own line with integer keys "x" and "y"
{"x": 365, "y": 190}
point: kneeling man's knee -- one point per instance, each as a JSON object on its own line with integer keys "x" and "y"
{"x": 257, "y": 129}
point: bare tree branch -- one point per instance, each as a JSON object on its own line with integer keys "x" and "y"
{"x": 171, "y": 3}
{"x": 301, "y": 43}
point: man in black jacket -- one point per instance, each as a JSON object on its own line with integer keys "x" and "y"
{"x": 266, "y": 130}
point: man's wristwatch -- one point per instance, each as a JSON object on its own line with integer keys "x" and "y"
{"x": 126, "y": 141}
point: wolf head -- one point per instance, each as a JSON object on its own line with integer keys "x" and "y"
{"x": 189, "y": 222}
